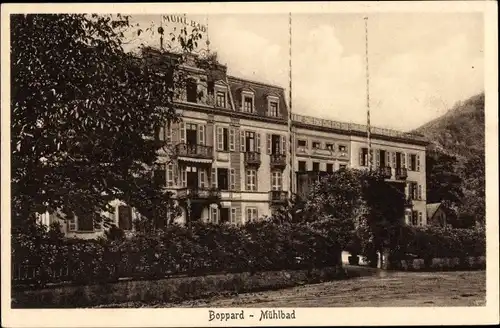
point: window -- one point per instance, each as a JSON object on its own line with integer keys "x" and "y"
{"x": 302, "y": 143}
{"x": 420, "y": 220}
{"x": 170, "y": 175}
{"x": 222, "y": 179}
{"x": 276, "y": 180}
{"x": 202, "y": 179}
{"x": 276, "y": 144}
{"x": 223, "y": 138}
{"x": 273, "y": 108}
{"x": 329, "y": 167}
{"x": 412, "y": 190}
{"x": 252, "y": 214}
{"x": 248, "y": 104}
{"x": 159, "y": 175}
{"x": 224, "y": 215}
{"x": 191, "y": 134}
{"x": 192, "y": 91}
{"x": 329, "y": 146}
{"x": 234, "y": 219}
{"x": 125, "y": 217}
{"x": 420, "y": 192}
{"x": 412, "y": 165}
{"x": 382, "y": 155}
{"x": 250, "y": 141}
{"x": 251, "y": 180}
{"x": 316, "y": 166}
{"x": 302, "y": 166}
{"x": 316, "y": 145}
{"x": 342, "y": 166}
{"x": 363, "y": 159}
{"x": 214, "y": 215}
{"x": 220, "y": 100}
{"x": 342, "y": 148}
{"x": 232, "y": 179}
{"x": 414, "y": 218}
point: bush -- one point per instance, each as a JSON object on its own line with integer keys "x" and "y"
{"x": 435, "y": 242}
{"x": 206, "y": 248}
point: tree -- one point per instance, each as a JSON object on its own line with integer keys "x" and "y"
{"x": 474, "y": 208}
{"x": 83, "y": 111}
{"x": 444, "y": 184}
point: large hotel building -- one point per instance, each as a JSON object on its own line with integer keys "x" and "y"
{"x": 230, "y": 160}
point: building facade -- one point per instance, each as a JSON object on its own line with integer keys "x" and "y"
{"x": 227, "y": 160}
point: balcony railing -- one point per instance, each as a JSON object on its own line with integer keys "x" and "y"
{"x": 401, "y": 173}
{"x": 278, "y": 160}
{"x": 278, "y": 196}
{"x": 198, "y": 193}
{"x": 198, "y": 151}
{"x": 252, "y": 158}
{"x": 386, "y": 171}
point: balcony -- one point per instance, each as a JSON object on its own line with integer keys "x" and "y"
{"x": 252, "y": 158}
{"x": 278, "y": 160}
{"x": 278, "y": 196}
{"x": 194, "y": 151}
{"x": 198, "y": 194}
{"x": 385, "y": 171}
{"x": 401, "y": 173}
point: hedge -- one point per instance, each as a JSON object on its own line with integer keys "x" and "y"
{"x": 206, "y": 248}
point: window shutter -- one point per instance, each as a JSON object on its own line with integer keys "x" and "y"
{"x": 415, "y": 190}
{"x": 201, "y": 174}
{"x": 420, "y": 221}
{"x": 418, "y": 163}
{"x": 168, "y": 129}
{"x": 403, "y": 160}
{"x": 361, "y": 157}
{"x": 220, "y": 138}
{"x": 388, "y": 158}
{"x": 257, "y": 146}
{"x": 283, "y": 145}
{"x": 232, "y": 179}
{"x": 407, "y": 190}
{"x": 377, "y": 159}
{"x": 420, "y": 192}
{"x": 214, "y": 178}
{"x": 183, "y": 132}
{"x": 201, "y": 134}
{"x": 231, "y": 139}
{"x": 268, "y": 144}
{"x": 242, "y": 141}
{"x": 183, "y": 177}
{"x": 393, "y": 159}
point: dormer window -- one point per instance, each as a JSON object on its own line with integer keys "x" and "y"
{"x": 272, "y": 105}
{"x": 220, "y": 100}
{"x": 273, "y": 108}
{"x": 248, "y": 104}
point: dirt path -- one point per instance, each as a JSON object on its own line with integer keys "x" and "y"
{"x": 388, "y": 289}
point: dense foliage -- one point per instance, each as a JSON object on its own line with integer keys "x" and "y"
{"x": 81, "y": 108}
{"x": 436, "y": 242}
{"x": 207, "y": 248}
{"x": 456, "y": 162}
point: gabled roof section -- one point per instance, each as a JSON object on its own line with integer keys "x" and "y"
{"x": 431, "y": 209}
{"x": 221, "y": 82}
{"x": 261, "y": 92}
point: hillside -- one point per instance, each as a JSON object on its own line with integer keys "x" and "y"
{"x": 455, "y": 159}
{"x": 459, "y": 132}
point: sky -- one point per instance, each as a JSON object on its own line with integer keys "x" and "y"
{"x": 420, "y": 64}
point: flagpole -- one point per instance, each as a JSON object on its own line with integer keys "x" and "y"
{"x": 290, "y": 132}
{"x": 368, "y": 127}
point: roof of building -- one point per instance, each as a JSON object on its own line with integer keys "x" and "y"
{"x": 431, "y": 209}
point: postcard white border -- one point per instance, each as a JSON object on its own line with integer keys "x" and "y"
{"x": 305, "y": 316}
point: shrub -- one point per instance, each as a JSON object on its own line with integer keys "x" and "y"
{"x": 205, "y": 248}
